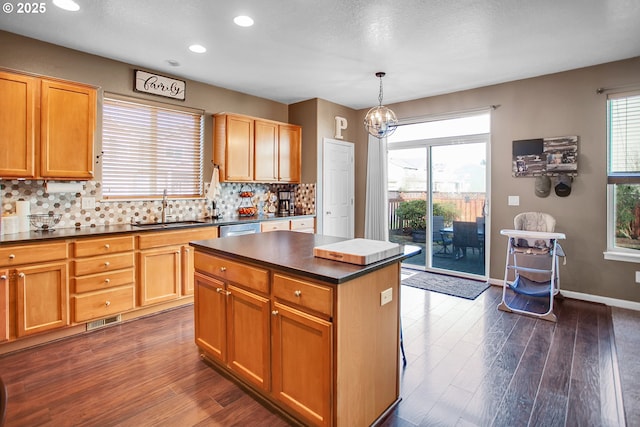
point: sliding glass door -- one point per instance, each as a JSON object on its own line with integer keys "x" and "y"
{"x": 438, "y": 198}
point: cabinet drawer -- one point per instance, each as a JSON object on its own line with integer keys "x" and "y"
{"x": 27, "y": 254}
{"x": 274, "y": 225}
{"x": 103, "y": 264}
{"x": 314, "y": 297}
{"x": 102, "y": 304}
{"x": 101, "y": 281}
{"x": 93, "y": 247}
{"x": 180, "y": 237}
{"x": 302, "y": 224}
{"x": 235, "y": 272}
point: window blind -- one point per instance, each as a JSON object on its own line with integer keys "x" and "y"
{"x": 147, "y": 149}
{"x": 623, "y": 128}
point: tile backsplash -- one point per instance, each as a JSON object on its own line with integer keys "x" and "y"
{"x": 109, "y": 212}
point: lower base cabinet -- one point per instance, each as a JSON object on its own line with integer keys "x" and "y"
{"x": 301, "y": 368}
{"x": 41, "y": 298}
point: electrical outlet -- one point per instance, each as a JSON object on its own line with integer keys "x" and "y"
{"x": 386, "y": 296}
{"x": 88, "y": 203}
{"x": 637, "y": 276}
{"x": 514, "y": 200}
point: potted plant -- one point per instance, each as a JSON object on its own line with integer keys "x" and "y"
{"x": 413, "y": 215}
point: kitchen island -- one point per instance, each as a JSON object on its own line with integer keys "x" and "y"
{"x": 316, "y": 338}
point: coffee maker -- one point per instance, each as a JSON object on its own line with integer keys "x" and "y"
{"x": 285, "y": 203}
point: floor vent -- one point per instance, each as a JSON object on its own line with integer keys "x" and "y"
{"x": 103, "y": 322}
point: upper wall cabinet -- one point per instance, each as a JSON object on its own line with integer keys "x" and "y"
{"x": 46, "y": 128}
{"x": 257, "y": 150}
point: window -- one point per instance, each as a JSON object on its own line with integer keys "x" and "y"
{"x": 623, "y": 138}
{"x": 148, "y": 148}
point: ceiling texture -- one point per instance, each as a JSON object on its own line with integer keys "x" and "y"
{"x": 331, "y": 49}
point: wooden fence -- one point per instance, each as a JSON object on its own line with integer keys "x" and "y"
{"x": 468, "y": 206}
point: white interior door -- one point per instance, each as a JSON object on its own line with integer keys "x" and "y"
{"x": 338, "y": 189}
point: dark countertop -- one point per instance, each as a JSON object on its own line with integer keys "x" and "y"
{"x": 293, "y": 252}
{"x": 71, "y": 233}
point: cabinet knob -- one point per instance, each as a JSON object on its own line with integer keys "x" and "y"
{"x": 12, "y": 256}
{"x": 21, "y": 275}
{"x": 107, "y": 263}
{"x": 106, "y": 246}
{"x": 3, "y": 277}
{"x": 223, "y": 269}
{"x": 186, "y": 250}
{"x": 298, "y": 293}
{"x": 107, "y": 303}
{"x": 274, "y": 312}
{"x": 107, "y": 280}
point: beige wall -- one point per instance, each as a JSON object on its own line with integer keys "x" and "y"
{"x": 554, "y": 105}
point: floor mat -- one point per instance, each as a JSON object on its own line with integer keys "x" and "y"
{"x": 455, "y": 286}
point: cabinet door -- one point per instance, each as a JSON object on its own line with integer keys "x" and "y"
{"x": 18, "y": 125}
{"x": 266, "y": 151}
{"x": 4, "y": 305}
{"x": 239, "y": 149}
{"x": 248, "y": 336}
{"x": 68, "y": 116}
{"x": 159, "y": 275}
{"x": 210, "y": 316}
{"x": 302, "y": 364}
{"x": 41, "y": 298}
{"x": 289, "y": 153}
{"x": 187, "y": 270}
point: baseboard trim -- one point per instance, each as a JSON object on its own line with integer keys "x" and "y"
{"x": 612, "y": 302}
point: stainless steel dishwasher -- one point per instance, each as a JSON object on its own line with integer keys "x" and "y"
{"x": 238, "y": 229}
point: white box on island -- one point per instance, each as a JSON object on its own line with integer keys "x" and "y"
{"x": 358, "y": 251}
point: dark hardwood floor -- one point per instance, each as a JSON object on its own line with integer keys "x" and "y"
{"x": 468, "y": 364}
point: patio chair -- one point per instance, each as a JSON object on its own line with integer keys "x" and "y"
{"x": 532, "y": 261}
{"x": 465, "y": 235}
{"x": 439, "y": 237}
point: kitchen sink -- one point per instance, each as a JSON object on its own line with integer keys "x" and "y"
{"x": 174, "y": 224}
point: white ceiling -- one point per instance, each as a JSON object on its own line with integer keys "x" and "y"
{"x": 331, "y": 49}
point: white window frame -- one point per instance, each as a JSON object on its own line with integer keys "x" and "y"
{"x": 613, "y": 252}
{"x": 181, "y": 175}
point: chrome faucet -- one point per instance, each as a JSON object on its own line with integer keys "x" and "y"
{"x": 164, "y": 206}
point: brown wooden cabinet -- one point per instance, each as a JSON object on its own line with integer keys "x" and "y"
{"x": 234, "y": 325}
{"x": 259, "y": 150}
{"x": 165, "y": 264}
{"x": 38, "y": 283}
{"x": 289, "y": 153}
{"x": 159, "y": 274}
{"x": 47, "y": 128}
{"x": 18, "y": 118}
{"x": 103, "y": 277}
{"x": 4, "y": 305}
{"x": 41, "y": 298}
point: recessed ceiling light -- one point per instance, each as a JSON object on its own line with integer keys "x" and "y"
{"x": 69, "y": 5}
{"x": 243, "y": 21}
{"x": 197, "y": 48}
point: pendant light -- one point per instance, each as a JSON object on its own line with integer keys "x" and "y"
{"x": 380, "y": 121}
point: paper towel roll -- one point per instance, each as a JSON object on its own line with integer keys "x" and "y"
{"x": 10, "y": 224}
{"x": 23, "y": 209}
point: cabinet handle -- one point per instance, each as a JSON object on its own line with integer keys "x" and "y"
{"x": 107, "y": 303}
{"x": 106, "y": 246}
{"x": 274, "y": 312}
{"x": 3, "y": 277}
{"x": 21, "y": 275}
{"x": 107, "y": 280}
{"x": 107, "y": 263}
{"x": 12, "y": 256}
{"x": 222, "y": 291}
{"x": 223, "y": 269}
{"x": 186, "y": 250}
{"x": 298, "y": 293}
